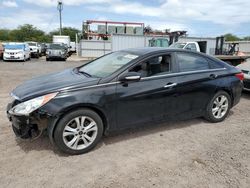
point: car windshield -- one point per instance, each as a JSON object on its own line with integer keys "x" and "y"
{"x": 14, "y": 47}
{"x": 177, "y": 45}
{"x": 107, "y": 64}
{"x": 32, "y": 44}
{"x": 56, "y": 46}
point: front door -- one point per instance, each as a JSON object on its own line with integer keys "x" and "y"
{"x": 144, "y": 101}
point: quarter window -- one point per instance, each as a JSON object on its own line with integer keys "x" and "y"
{"x": 191, "y": 62}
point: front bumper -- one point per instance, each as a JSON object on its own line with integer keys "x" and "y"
{"x": 13, "y": 57}
{"x": 55, "y": 56}
{"x": 27, "y": 126}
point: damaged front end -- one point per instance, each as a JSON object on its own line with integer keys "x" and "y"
{"x": 26, "y": 118}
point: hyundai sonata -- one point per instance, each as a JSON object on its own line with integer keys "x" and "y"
{"x": 120, "y": 90}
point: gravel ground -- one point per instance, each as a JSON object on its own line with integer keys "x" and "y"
{"x": 190, "y": 153}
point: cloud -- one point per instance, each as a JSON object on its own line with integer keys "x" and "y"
{"x": 9, "y": 4}
{"x": 43, "y": 20}
{"x": 225, "y": 12}
{"x": 53, "y": 3}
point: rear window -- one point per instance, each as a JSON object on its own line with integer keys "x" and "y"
{"x": 191, "y": 62}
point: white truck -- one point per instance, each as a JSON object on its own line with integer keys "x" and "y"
{"x": 62, "y": 39}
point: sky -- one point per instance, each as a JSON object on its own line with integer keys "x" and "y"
{"x": 203, "y": 18}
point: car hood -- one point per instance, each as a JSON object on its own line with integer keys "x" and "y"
{"x": 49, "y": 83}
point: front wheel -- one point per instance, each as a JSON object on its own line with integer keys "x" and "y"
{"x": 218, "y": 108}
{"x": 79, "y": 131}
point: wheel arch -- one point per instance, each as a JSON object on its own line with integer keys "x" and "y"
{"x": 53, "y": 123}
{"x": 229, "y": 92}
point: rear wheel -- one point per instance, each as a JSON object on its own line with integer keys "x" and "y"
{"x": 79, "y": 131}
{"x": 218, "y": 108}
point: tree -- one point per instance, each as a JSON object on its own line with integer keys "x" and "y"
{"x": 246, "y": 38}
{"x": 148, "y": 29}
{"x": 27, "y": 32}
{"x": 69, "y": 31}
{"x": 231, "y": 37}
{"x": 4, "y": 34}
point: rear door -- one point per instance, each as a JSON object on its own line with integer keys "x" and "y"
{"x": 197, "y": 83}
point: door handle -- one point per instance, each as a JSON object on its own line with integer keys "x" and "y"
{"x": 169, "y": 85}
{"x": 213, "y": 76}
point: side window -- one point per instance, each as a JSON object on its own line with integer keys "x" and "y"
{"x": 191, "y": 47}
{"x": 191, "y": 62}
{"x": 154, "y": 66}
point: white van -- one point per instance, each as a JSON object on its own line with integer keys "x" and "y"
{"x": 16, "y": 51}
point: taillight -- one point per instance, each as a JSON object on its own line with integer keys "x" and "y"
{"x": 240, "y": 76}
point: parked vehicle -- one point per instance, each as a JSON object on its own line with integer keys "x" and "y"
{"x": 43, "y": 49}
{"x": 245, "y": 68}
{"x": 56, "y": 51}
{"x": 61, "y": 39}
{"x": 35, "y": 49}
{"x": 16, "y": 51}
{"x": 72, "y": 48}
{"x": 1, "y": 51}
{"x": 121, "y": 90}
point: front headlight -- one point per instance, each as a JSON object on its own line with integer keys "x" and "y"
{"x": 29, "y": 106}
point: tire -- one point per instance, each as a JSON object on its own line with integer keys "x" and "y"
{"x": 47, "y": 59}
{"x": 73, "y": 139}
{"x": 218, "y": 111}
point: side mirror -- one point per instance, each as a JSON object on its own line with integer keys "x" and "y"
{"x": 130, "y": 76}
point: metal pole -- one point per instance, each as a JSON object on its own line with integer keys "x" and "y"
{"x": 60, "y": 8}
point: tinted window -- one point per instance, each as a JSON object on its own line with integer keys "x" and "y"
{"x": 154, "y": 66}
{"x": 191, "y": 62}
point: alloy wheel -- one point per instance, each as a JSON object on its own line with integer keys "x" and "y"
{"x": 80, "y": 132}
{"x": 220, "y": 106}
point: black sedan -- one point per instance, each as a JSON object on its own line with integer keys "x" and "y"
{"x": 121, "y": 90}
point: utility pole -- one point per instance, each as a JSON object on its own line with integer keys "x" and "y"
{"x": 60, "y": 8}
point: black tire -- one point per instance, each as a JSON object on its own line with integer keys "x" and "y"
{"x": 209, "y": 116}
{"x": 58, "y": 132}
{"x": 47, "y": 59}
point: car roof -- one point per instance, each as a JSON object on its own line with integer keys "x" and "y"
{"x": 147, "y": 50}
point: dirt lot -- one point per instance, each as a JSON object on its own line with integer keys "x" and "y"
{"x": 193, "y": 153}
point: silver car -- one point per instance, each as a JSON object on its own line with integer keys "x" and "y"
{"x": 56, "y": 51}
{"x": 245, "y": 68}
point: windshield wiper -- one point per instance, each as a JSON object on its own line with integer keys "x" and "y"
{"x": 85, "y": 73}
